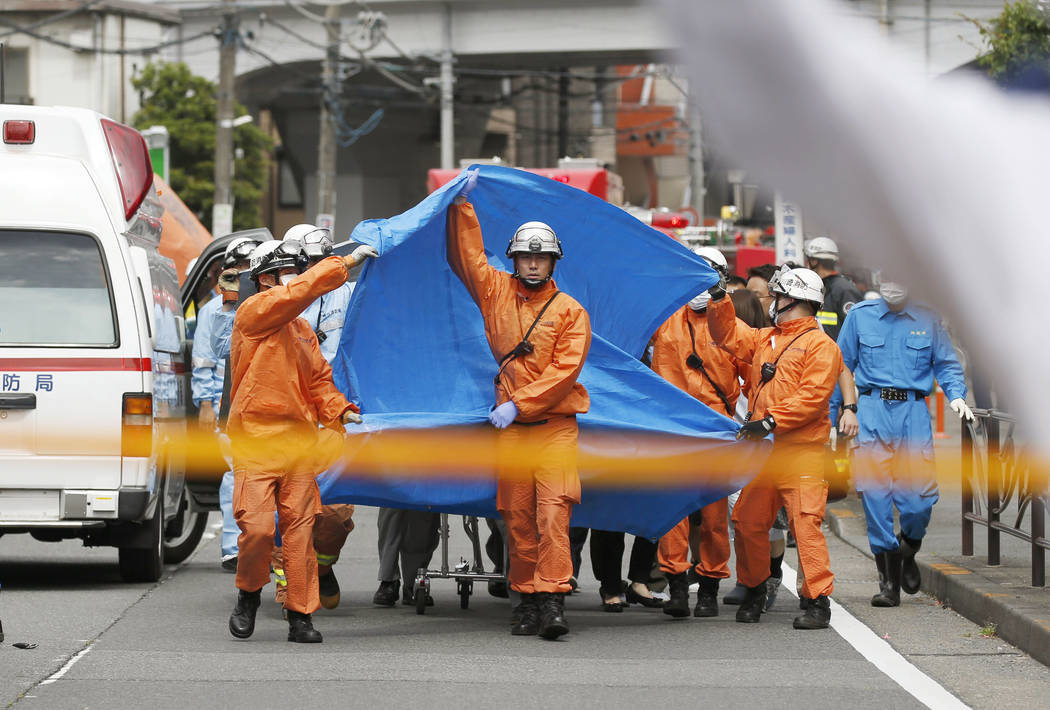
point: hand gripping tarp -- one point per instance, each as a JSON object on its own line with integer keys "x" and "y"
{"x": 414, "y": 355}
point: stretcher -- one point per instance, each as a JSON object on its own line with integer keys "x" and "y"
{"x": 465, "y": 573}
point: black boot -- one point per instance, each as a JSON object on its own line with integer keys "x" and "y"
{"x": 817, "y": 614}
{"x": 889, "y": 566}
{"x": 552, "y": 615}
{"x": 736, "y": 595}
{"x": 301, "y": 628}
{"x": 525, "y": 618}
{"x": 242, "y": 620}
{"x": 750, "y": 610}
{"x": 911, "y": 580}
{"x": 706, "y": 598}
{"x": 387, "y": 594}
{"x": 678, "y": 589}
{"x": 328, "y": 588}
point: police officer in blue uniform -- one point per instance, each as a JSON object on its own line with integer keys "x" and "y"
{"x": 895, "y": 348}
{"x": 209, "y": 369}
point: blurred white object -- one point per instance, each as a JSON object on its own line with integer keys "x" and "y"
{"x": 917, "y": 176}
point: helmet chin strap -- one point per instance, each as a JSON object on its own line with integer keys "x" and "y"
{"x": 533, "y": 283}
{"x": 777, "y": 312}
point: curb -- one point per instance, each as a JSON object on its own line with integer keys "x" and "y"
{"x": 966, "y": 591}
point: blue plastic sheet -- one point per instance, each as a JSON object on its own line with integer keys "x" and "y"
{"x": 414, "y": 355}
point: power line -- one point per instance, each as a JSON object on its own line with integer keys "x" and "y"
{"x": 53, "y": 18}
{"x": 19, "y": 29}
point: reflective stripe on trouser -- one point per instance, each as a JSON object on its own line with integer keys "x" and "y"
{"x": 537, "y": 486}
{"x": 295, "y": 496}
{"x": 331, "y": 529}
{"x": 803, "y": 492}
{"x": 714, "y": 543}
{"x": 894, "y": 466}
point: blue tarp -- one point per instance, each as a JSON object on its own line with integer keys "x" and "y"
{"x": 414, "y": 355}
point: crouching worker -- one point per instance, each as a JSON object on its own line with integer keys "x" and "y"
{"x": 281, "y": 390}
{"x": 794, "y": 368}
{"x": 539, "y": 338}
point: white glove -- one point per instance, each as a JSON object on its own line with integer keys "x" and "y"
{"x": 502, "y": 416}
{"x": 351, "y": 417}
{"x": 363, "y": 252}
{"x": 958, "y": 406}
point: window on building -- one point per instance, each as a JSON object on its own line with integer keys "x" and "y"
{"x": 16, "y": 76}
{"x": 288, "y": 193}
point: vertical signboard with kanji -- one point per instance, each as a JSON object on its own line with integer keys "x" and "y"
{"x": 789, "y": 230}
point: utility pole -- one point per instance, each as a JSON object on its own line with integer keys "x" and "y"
{"x": 326, "y": 146}
{"x": 448, "y": 136}
{"x": 222, "y": 211}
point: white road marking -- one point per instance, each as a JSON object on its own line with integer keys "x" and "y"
{"x": 883, "y": 656}
{"x": 69, "y": 664}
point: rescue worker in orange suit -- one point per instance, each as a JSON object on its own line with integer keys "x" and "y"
{"x": 684, "y": 355}
{"x": 335, "y": 521}
{"x": 794, "y": 368}
{"x": 281, "y": 390}
{"x": 537, "y": 400}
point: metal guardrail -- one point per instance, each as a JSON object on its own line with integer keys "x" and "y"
{"x": 1000, "y": 474}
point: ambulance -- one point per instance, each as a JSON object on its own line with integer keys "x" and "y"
{"x": 93, "y": 376}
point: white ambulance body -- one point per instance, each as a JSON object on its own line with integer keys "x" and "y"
{"x": 92, "y": 368}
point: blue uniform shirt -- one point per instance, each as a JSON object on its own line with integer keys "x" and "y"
{"x": 905, "y": 350}
{"x": 209, "y": 367}
{"x": 326, "y": 315}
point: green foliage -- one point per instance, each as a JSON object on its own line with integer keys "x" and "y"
{"x": 185, "y": 104}
{"x": 1017, "y": 39}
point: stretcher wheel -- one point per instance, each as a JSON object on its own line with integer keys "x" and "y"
{"x": 466, "y": 588}
{"x": 420, "y": 599}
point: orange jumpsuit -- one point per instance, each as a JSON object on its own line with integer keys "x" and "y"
{"x": 537, "y": 476}
{"x": 797, "y": 398}
{"x": 281, "y": 389}
{"x": 673, "y": 343}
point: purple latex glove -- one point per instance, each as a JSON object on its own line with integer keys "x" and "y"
{"x": 465, "y": 190}
{"x": 502, "y": 416}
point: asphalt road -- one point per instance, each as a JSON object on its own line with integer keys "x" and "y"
{"x": 105, "y": 644}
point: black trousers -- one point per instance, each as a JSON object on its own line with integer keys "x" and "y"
{"x": 607, "y": 550}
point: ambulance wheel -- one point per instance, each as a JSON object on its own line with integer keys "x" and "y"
{"x": 183, "y": 533}
{"x": 145, "y": 564}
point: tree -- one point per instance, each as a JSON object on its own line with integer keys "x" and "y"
{"x": 185, "y": 104}
{"x": 1017, "y": 42}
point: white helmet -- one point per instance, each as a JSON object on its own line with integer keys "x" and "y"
{"x": 822, "y": 248}
{"x": 715, "y": 258}
{"x": 316, "y": 241}
{"x": 535, "y": 238}
{"x": 800, "y": 284}
{"x": 238, "y": 250}
{"x": 275, "y": 255}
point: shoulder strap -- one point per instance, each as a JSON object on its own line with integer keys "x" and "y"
{"x": 703, "y": 370}
{"x": 763, "y": 384}
{"x": 524, "y": 347}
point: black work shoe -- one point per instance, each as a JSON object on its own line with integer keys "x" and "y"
{"x": 386, "y": 595}
{"x": 229, "y": 563}
{"x": 498, "y": 588}
{"x": 889, "y": 566}
{"x": 772, "y": 587}
{"x": 552, "y": 615}
{"x": 408, "y": 597}
{"x": 911, "y": 580}
{"x": 750, "y": 611}
{"x": 301, "y": 628}
{"x": 525, "y": 618}
{"x": 328, "y": 588}
{"x": 736, "y": 595}
{"x": 678, "y": 588}
{"x": 817, "y": 614}
{"x": 706, "y": 598}
{"x": 242, "y": 620}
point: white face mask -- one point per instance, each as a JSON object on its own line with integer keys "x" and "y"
{"x": 286, "y": 278}
{"x": 893, "y": 293}
{"x": 700, "y": 301}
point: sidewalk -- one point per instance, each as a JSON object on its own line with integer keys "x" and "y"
{"x": 1001, "y": 596}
